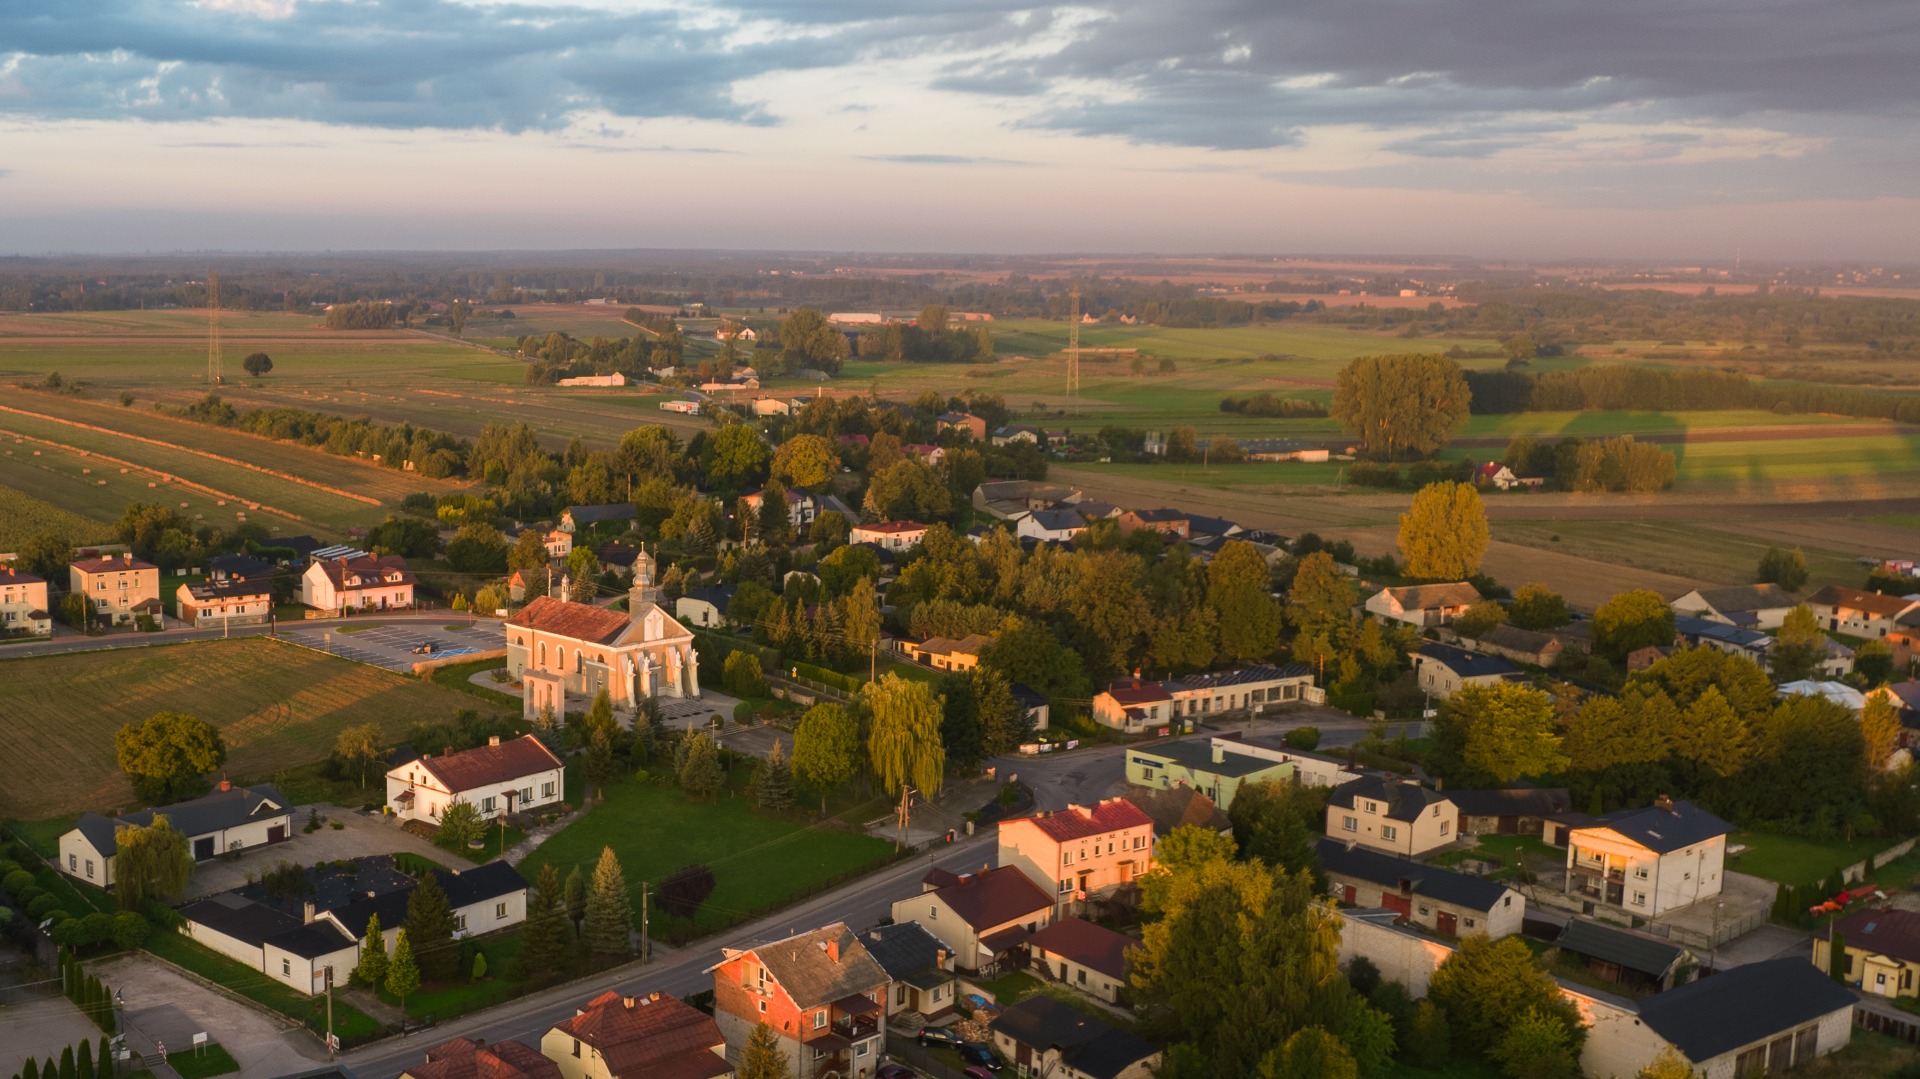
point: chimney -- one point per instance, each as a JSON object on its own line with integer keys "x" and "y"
{"x": 493, "y": 739}
{"x": 225, "y": 786}
{"x": 446, "y": 751}
{"x": 1663, "y": 802}
{"x": 1439, "y": 783}
{"x": 628, "y": 1002}
{"x": 833, "y": 949}
{"x": 306, "y": 914}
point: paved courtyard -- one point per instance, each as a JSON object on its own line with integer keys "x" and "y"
{"x": 35, "y": 1022}
{"x": 362, "y": 835}
{"x": 391, "y": 645}
{"x": 163, "y": 1005}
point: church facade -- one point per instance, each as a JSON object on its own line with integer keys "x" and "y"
{"x": 559, "y": 649}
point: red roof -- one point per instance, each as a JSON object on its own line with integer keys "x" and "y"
{"x": 994, "y": 897}
{"x": 348, "y": 575}
{"x": 1079, "y": 822}
{"x": 1087, "y": 944}
{"x": 893, "y": 527}
{"x": 655, "y": 1035}
{"x": 113, "y": 564}
{"x": 463, "y": 1058}
{"x": 490, "y": 764}
{"x": 574, "y": 621}
{"x": 9, "y": 575}
{"x": 1134, "y": 691}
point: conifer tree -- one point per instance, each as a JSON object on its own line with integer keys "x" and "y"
{"x": 548, "y": 938}
{"x": 372, "y": 968}
{"x": 608, "y": 928}
{"x": 403, "y": 974}
{"x": 773, "y": 781}
{"x": 429, "y": 928}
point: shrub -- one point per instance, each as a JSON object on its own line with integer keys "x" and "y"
{"x": 8, "y": 867}
{"x": 27, "y": 894}
{"x": 1304, "y": 739}
{"x": 16, "y": 880}
{"x": 743, "y": 713}
{"x": 129, "y": 930}
{"x": 42, "y": 906}
{"x": 741, "y": 675}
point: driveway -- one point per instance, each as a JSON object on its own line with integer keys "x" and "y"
{"x": 361, "y": 835}
{"x": 35, "y": 1022}
{"x": 391, "y": 644}
{"x": 163, "y": 1005}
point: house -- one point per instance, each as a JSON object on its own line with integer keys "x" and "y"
{"x": 481, "y": 899}
{"x": 1282, "y": 449}
{"x": 1167, "y": 522}
{"x": 1441, "y": 900}
{"x": 1309, "y": 769}
{"x": 229, "y": 819}
{"x": 1218, "y": 527}
{"x": 925, "y": 452}
{"x": 1754, "y": 1018}
{"x": 362, "y": 583}
{"x": 1132, "y": 705}
{"x": 1047, "y": 1037}
{"x": 560, "y": 649}
{"x": 1857, "y": 613}
{"x": 602, "y": 381}
{"x": 771, "y": 406}
{"x": 1639, "y": 961}
{"x": 1178, "y": 807}
{"x": 705, "y": 607}
{"x": 1033, "y": 703}
{"x": 23, "y": 604}
{"x": 118, "y": 588}
{"x": 1088, "y": 957}
{"x": 1008, "y": 499}
{"x": 800, "y": 506}
{"x": 636, "y": 1037}
{"x": 979, "y": 917}
{"x": 1749, "y": 606}
{"x": 857, "y": 318}
{"x": 499, "y": 777}
{"x": 617, "y": 515}
{"x": 302, "y": 547}
{"x": 1649, "y": 861}
{"x": 1004, "y": 436}
{"x": 1522, "y": 811}
{"x": 1883, "y": 950}
{"x": 734, "y": 331}
{"x": 516, "y": 587}
{"x": 240, "y": 567}
{"x": 964, "y": 423}
{"x": 1081, "y": 853}
{"x": 946, "y": 654}
{"x": 1390, "y": 815}
{"x": 821, "y": 992}
{"x": 1049, "y": 526}
{"x": 1904, "y": 640}
{"x": 891, "y": 535}
{"x": 1641, "y": 658}
{"x": 1423, "y": 605}
{"x": 1906, "y": 703}
{"x": 619, "y": 557}
{"x": 1533, "y": 648}
{"x": 233, "y": 602}
{"x": 1250, "y": 689}
{"x": 1722, "y": 636}
{"x": 1215, "y": 770}
{"x": 558, "y": 542}
{"x": 1442, "y": 669}
{"x": 464, "y": 1058}
{"x": 920, "y": 966}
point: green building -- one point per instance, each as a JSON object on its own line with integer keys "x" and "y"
{"x": 1216, "y": 770}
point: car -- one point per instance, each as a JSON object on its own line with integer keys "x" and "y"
{"x": 976, "y": 1054}
{"x": 941, "y": 1036}
{"x": 975, "y": 1071}
{"x": 894, "y": 1071}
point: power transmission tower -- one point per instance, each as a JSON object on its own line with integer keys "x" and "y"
{"x": 1073, "y": 346}
{"x": 213, "y": 328}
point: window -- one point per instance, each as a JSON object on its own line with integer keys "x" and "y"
{"x": 89, "y": 868}
{"x": 1349, "y": 824}
{"x": 526, "y": 795}
{"x": 1640, "y": 872}
{"x": 73, "y": 861}
{"x": 1066, "y": 886}
{"x": 576, "y": 1047}
{"x": 763, "y": 1007}
{"x": 819, "y": 1019}
{"x": 1639, "y": 899}
{"x": 486, "y": 804}
{"x": 546, "y": 790}
{"x": 1446, "y": 826}
{"x": 1066, "y": 858}
{"x": 1469, "y": 923}
{"x": 1425, "y": 910}
{"x": 1083, "y": 977}
{"x": 933, "y": 913}
{"x": 286, "y": 967}
{"x": 900, "y": 996}
{"x": 459, "y": 923}
{"x": 500, "y": 910}
{"x": 1139, "y": 842}
{"x": 1389, "y": 833}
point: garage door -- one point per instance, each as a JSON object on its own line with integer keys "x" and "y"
{"x": 1399, "y": 904}
{"x": 203, "y": 848}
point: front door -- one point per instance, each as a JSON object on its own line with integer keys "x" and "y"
{"x": 203, "y": 848}
{"x": 1347, "y": 895}
{"x": 1399, "y": 904}
{"x": 1446, "y": 923}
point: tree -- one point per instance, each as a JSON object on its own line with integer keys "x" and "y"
{"x": 1798, "y": 647}
{"x": 1476, "y": 620}
{"x": 45, "y": 554}
{"x": 1668, "y": 1064}
{"x": 1712, "y": 734}
{"x": 762, "y": 1058}
{"x": 1401, "y": 405}
{"x": 1630, "y": 621}
{"x": 1537, "y": 1046}
{"x": 1535, "y": 606}
{"x": 1239, "y": 591}
{"x": 1444, "y": 532}
{"x": 1508, "y": 729}
{"x": 529, "y": 557}
{"x": 460, "y": 824}
{"x": 807, "y": 461}
{"x": 359, "y": 744}
{"x": 699, "y": 773}
{"x": 372, "y": 968}
{"x": 807, "y": 339}
{"x": 152, "y": 862}
{"x": 773, "y": 781}
{"x": 1311, "y": 1053}
{"x": 429, "y": 926}
{"x": 1278, "y": 822}
{"x": 826, "y": 748}
{"x": 576, "y": 893}
{"x": 1788, "y": 569}
{"x": 83, "y": 1064}
{"x": 608, "y": 927}
{"x": 734, "y": 458}
{"x": 168, "y": 755}
{"x": 68, "y": 1070}
{"x": 1880, "y": 728}
{"x": 1319, "y": 608}
{"x": 479, "y": 966}
{"x": 403, "y": 973}
{"x": 548, "y": 938}
{"x": 904, "y": 739}
{"x": 257, "y": 364}
{"x": 776, "y": 523}
{"x": 1837, "y": 955}
{"x": 908, "y": 489}
{"x": 1428, "y": 1042}
{"x": 457, "y": 314}
{"x": 1487, "y": 986}
{"x": 477, "y": 548}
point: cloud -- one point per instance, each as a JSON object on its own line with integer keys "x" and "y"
{"x": 943, "y": 159}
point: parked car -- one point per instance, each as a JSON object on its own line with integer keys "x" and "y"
{"x": 894, "y": 1071}
{"x": 976, "y": 1054}
{"x": 941, "y": 1036}
{"x": 974, "y": 1071}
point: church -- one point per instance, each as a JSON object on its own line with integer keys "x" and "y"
{"x": 558, "y": 649}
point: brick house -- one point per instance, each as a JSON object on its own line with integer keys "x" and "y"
{"x": 1081, "y": 852}
{"x": 499, "y": 777}
{"x": 1167, "y": 522}
{"x": 621, "y": 1037}
{"x": 822, "y": 993}
{"x": 118, "y": 588}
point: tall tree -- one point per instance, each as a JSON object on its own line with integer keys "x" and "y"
{"x": 1713, "y": 735}
{"x": 807, "y": 339}
{"x": 903, "y": 741}
{"x": 826, "y": 749}
{"x": 168, "y": 755}
{"x": 429, "y": 926}
{"x": 403, "y": 971}
{"x": 734, "y": 458}
{"x": 1401, "y": 405}
{"x": 1320, "y": 609}
{"x": 1278, "y": 822}
{"x": 1240, "y": 592}
{"x": 257, "y": 364}
{"x": 1487, "y": 986}
{"x": 153, "y": 862}
{"x": 1509, "y": 730}
{"x": 773, "y": 781}
{"x": 358, "y": 746}
{"x": 1535, "y": 606}
{"x": 576, "y": 893}
{"x": 608, "y": 928}
{"x": 548, "y": 937}
{"x": 762, "y": 1058}
{"x": 1632, "y": 620}
{"x": 1311, "y": 1053}
{"x": 371, "y": 970}
{"x": 1880, "y": 729}
{"x": 700, "y": 773}
{"x": 1788, "y": 569}
{"x": 1798, "y": 647}
{"x": 1444, "y": 532}
{"x": 806, "y": 461}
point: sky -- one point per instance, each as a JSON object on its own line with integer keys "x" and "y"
{"x": 1530, "y": 129}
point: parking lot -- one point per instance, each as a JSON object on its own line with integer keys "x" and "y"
{"x": 391, "y": 645}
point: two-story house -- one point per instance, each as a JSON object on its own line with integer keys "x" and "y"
{"x": 1049, "y": 1038}
{"x": 979, "y": 917}
{"x": 1442, "y": 670}
{"x": 1080, "y": 853}
{"x": 1391, "y": 815}
{"x": 963, "y": 423}
{"x": 1649, "y": 861}
{"x": 1749, "y": 606}
{"x": 358, "y": 583}
{"x": 465, "y": 1058}
{"x": 1215, "y": 770}
{"x": 621, "y": 1037}
{"x": 1857, "y": 613}
{"x": 23, "y": 604}
{"x": 119, "y": 588}
{"x": 499, "y": 777}
{"x": 232, "y": 602}
{"x": 822, "y": 993}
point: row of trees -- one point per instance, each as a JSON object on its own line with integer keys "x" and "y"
{"x": 1607, "y": 464}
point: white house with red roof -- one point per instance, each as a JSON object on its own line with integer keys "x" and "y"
{"x": 620, "y": 1037}
{"x": 557, "y": 648}
{"x": 1080, "y": 852}
{"x": 358, "y": 583}
{"x": 499, "y": 777}
{"x": 891, "y": 535}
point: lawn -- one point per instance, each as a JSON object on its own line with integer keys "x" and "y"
{"x": 278, "y": 706}
{"x": 1789, "y": 859}
{"x": 759, "y": 862}
{"x": 1683, "y": 548}
{"x": 350, "y": 1023}
{"x": 202, "y": 1063}
{"x": 458, "y": 676}
{"x": 504, "y": 981}
{"x": 1511, "y": 851}
{"x": 1015, "y": 986}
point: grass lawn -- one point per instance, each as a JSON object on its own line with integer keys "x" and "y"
{"x": 458, "y": 676}
{"x": 277, "y": 705}
{"x": 504, "y": 981}
{"x": 350, "y": 1023}
{"x": 759, "y": 862}
{"x": 1511, "y": 851}
{"x": 1787, "y": 859}
{"x": 1013, "y": 987}
{"x": 202, "y": 1063}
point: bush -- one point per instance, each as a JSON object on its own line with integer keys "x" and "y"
{"x": 26, "y": 894}
{"x": 42, "y": 906}
{"x": 1305, "y": 739}
{"x": 743, "y": 713}
{"x": 8, "y": 867}
{"x": 129, "y": 930}
{"x": 742, "y": 677}
{"x": 16, "y": 880}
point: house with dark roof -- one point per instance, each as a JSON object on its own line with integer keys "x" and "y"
{"x": 1034, "y": 703}
{"x": 302, "y": 547}
{"x": 1517, "y": 811}
{"x": 656, "y": 1036}
{"x": 1882, "y": 948}
{"x": 980, "y": 917}
{"x": 1725, "y": 637}
{"x": 705, "y": 606}
{"x": 1214, "y": 769}
{"x": 1649, "y": 861}
{"x": 1080, "y": 853}
{"x": 229, "y": 819}
{"x": 1044, "y": 1036}
{"x": 1531, "y": 647}
{"x": 921, "y": 967}
{"x": 358, "y": 582}
{"x": 577, "y": 519}
{"x": 1392, "y": 816}
{"x": 822, "y": 993}
{"x": 1639, "y": 962}
{"x": 1755, "y": 1018}
{"x": 1250, "y": 689}
{"x": 1748, "y": 606}
{"x": 1423, "y": 605}
{"x": 1179, "y": 807}
{"x": 1439, "y": 900}
{"x": 1442, "y": 670}
{"x": 1088, "y": 957}
{"x": 235, "y": 601}
{"x": 513, "y": 776}
{"x": 1050, "y": 526}
{"x": 468, "y": 1058}
{"x": 240, "y": 567}
{"x": 1164, "y": 520}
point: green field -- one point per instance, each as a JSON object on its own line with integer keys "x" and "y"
{"x": 1685, "y": 549}
{"x": 276, "y": 704}
{"x": 22, "y": 516}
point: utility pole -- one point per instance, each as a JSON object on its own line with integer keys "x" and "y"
{"x": 646, "y": 944}
{"x": 329, "y": 1012}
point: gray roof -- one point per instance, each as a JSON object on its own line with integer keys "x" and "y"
{"x": 1746, "y": 597}
{"x": 1665, "y": 830}
{"x": 1521, "y": 802}
{"x": 717, "y": 594}
{"x": 1198, "y": 757}
{"x": 1405, "y": 801}
{"x": 1057, "y": 520}
{"x": 1396, "y": 874}
{"x": 1749, "y": 1003}
{"x": 802, "y": 967}
{"x": 904, "y": 949}
{"x": 1519, "y": 640}
{"x": 1245, "y": 676}
{"x": 1634, "y": 951}
{"x": 1086, "y": 1044}
{"x": 1468, "y": 664}
{"x": 195, "y": 817}
{"x": 98, "y": 832}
